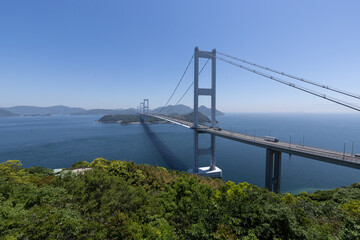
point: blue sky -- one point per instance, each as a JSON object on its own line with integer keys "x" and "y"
{"x": 113, "y": 54}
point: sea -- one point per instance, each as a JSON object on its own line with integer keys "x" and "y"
{"x": 59, "y": 141}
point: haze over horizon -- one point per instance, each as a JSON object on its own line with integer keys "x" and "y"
{"x": 110, "y": 55}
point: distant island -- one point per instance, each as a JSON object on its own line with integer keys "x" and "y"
{"x": 182, "y": 109}
{"x": 125, "y": 119}
{"x": 37, "y": 115}
{"x": 64, "y": 110}
{"x": 5, "y": 113}
{"x": 54, "y": 110}
{"x": 135, "y": 118}
{"x": 168, "y": 110}
{"x": 189, "y": 117}
{"x": 106, "y": 111}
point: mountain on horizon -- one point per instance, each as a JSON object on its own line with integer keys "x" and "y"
{"x": 189, "y": 117}
{"x": 207, "y": 111}
{"x": 59, "y": 109}
{"x": 182, "y": 109}
{"x": 178, "y": 109}
{"x": 6, "y": 113}
{"x": 97, "y": 112}
{"x": 106, "y": 111}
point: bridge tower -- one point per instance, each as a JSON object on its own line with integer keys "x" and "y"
{"x": 146, "y": 106}
{"x": 204, "y": 91}
{"x": 212, "y": 170}
{"x": 144, "y": 109}
{"x": 141, "y": 107}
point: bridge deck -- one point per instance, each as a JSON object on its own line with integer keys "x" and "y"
{"x": 325, "y": 155}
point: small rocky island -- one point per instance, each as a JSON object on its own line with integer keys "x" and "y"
{"x": 135, "y": 118}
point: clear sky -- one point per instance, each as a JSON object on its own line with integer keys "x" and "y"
{"x": 113, "y": 54}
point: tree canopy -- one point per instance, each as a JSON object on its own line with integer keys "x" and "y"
{"x": 122, "y": 200}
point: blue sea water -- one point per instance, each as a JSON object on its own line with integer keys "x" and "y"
{"x": 60, "y": 141}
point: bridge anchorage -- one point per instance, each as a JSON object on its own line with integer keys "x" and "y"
{"x": 212, "y": 170}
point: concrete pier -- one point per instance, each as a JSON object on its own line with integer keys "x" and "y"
{"x": 273, "y": 170}
{"x": 212, "y": 170}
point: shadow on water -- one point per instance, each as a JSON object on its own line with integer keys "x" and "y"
{"x": 170, "y": 158}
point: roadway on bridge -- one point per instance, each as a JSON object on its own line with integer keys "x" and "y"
{"x": 339, "y": 158}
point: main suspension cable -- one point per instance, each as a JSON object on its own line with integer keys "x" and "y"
{"x": 187, "y": 67}
{"x": 354, "y": 107}
{"x": 294, "y": 77}
{"x": 189, "y": 86}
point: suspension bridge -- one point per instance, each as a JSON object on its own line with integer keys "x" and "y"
{"x": 274, "y": 147}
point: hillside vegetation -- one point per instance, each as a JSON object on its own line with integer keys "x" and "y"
{"x": 126, "y": 119}
{"x": 133, "y": 118}
{"x": 122, "y": 200}
{"x": 189, "y": 117}
{"x": 181, "y": 109}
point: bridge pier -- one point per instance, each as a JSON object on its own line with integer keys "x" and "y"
{"x": 273, "y": 170}
{"x": 212, "y": 170}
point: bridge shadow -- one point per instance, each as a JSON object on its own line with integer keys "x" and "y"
{"x": 169, "y": 157}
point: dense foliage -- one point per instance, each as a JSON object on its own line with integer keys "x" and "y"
{"x": 122, "y": 200}
{"x": 125, "y": 118}
{"x": 135, "y": 118}
{"x": 190, "y": 117}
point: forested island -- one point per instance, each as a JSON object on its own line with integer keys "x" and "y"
{"x": 122, "y": 200}
{"x": 135, "y": 118}
{"x": 126, "y": 119}
{"x": 190, "y": 117}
